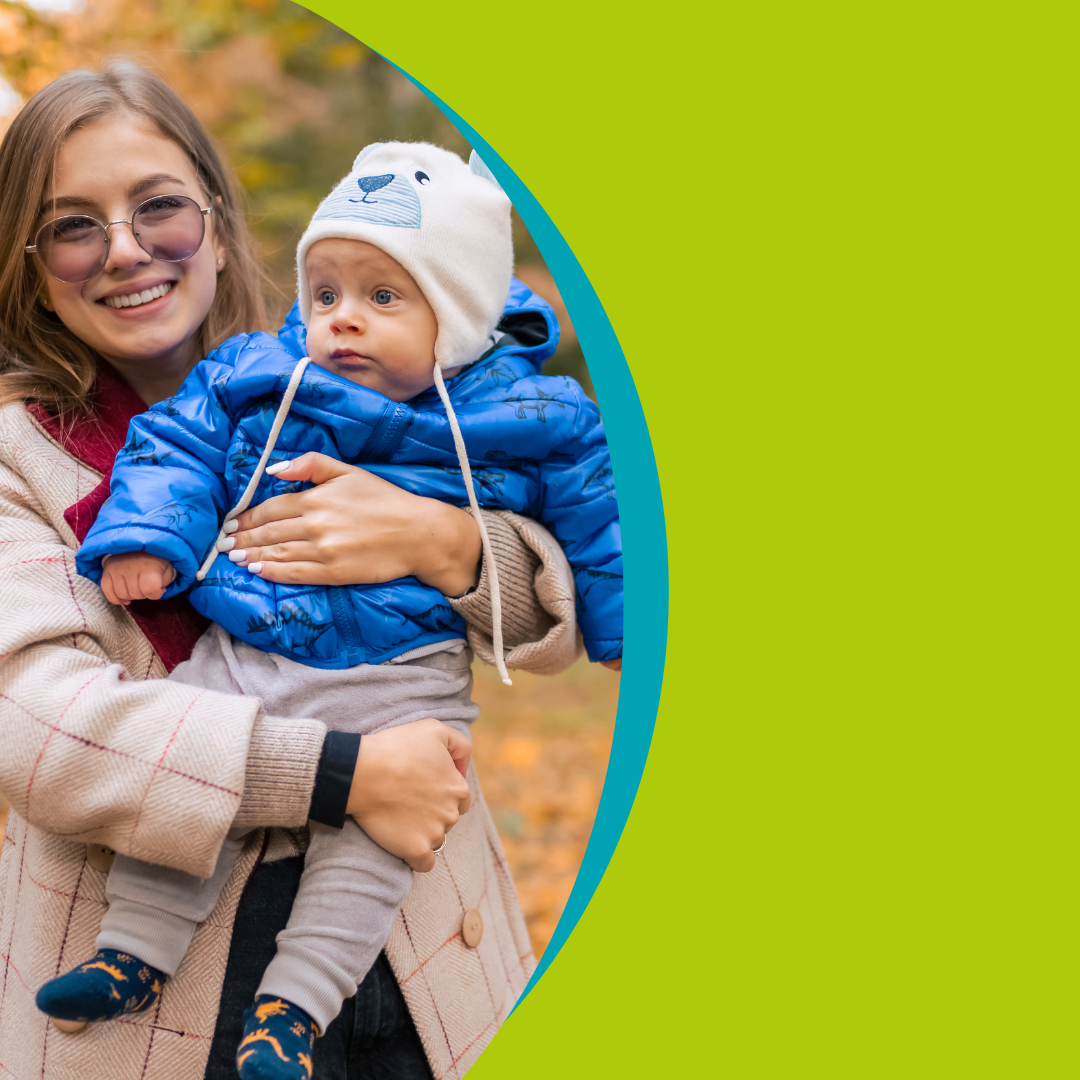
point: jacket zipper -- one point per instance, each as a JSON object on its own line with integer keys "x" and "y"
{"x": 345, "y": 621}
{"x": 388, "y": 438}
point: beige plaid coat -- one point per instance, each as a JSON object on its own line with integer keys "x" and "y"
{"x": 98, "y": 751}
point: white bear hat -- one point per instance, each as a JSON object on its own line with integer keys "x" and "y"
{"x": 446, "y": 222}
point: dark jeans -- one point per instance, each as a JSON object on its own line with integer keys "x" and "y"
{"x": 372, "y": 1038}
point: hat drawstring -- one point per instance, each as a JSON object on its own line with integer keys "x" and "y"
{"x": 257, "y": 475}
{"x": 489, "y": 558}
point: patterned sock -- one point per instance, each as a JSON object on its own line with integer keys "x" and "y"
{"x": 111, "y": 984}
{"x": 278, "y": 1037}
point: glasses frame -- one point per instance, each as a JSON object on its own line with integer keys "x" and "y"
{"x": 206, "y": 211}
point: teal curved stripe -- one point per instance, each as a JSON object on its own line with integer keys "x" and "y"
{"x": 641, "y": 511}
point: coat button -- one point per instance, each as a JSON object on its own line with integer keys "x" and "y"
{"x": 100, "y": 857}
{"x": 472, "y": 928}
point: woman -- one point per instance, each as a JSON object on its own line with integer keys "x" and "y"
{"x": 98, "y": 753}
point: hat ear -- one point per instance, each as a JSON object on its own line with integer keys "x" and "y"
{"x": 364, "y": 153}
{"x": 478, "y": 167}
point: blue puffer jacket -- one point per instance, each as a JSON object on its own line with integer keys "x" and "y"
{"x": 535, "y": 443}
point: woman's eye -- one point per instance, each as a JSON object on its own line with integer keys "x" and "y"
{"x": 162, "y": 202}
{"x": 383, "y": 296}
{"x": 74, "y": 228}
{"x": 326, "y": 297}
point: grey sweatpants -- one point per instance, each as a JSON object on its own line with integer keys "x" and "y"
{"x": 351, "y": 888}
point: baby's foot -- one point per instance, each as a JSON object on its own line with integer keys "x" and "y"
{"x": 278, "y": 1037}
{"x": 111, "y": 984}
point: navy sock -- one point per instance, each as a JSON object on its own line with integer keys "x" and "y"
{"x": 277, "y": 1042}
{"x": 110, "y": 984}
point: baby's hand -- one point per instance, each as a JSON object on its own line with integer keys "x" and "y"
{"x": 134, "y": 575}
{"x": 612, "y": 665}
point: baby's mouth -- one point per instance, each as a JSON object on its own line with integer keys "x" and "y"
{"x": 136, "y": 298}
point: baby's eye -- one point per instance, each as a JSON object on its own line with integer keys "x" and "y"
{"x": 383, "y": 296}
{"x": 326, "y": 297}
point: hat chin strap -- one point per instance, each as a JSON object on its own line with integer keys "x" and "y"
{"x": 489, "y": 557}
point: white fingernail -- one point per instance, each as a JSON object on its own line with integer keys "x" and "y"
{"x": 255, "y": 568}
{"x": 274, "y": 469}
{"x": 231, "y": 526}
{"x": 227, "y": 544}
{"x": 239, "y": 555}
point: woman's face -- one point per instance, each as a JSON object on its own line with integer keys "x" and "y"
{"x": 106, "y": 170}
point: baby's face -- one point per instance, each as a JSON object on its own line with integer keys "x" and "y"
{"x": 369, "y": 320}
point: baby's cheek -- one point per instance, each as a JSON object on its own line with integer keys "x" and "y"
{"x": 318, "y": 334}
{"x": 316, "y": 337}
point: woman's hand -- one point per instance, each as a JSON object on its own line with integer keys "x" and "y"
{"x": 409, "y": 788}
{"x": 354, "y": 528}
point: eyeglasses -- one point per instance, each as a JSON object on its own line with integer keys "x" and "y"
{"x": 75, "y": 248}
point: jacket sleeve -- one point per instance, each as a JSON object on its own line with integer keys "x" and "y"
{"x": 559, "y": 436}
{"x": 577, "y": 503}
{"x": 167, "y": 494}
{"x": 95, "y": 752}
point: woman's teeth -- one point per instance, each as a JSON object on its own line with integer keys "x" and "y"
{"x": 136, "y": 298}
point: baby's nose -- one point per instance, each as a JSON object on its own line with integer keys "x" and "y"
{"x": 347, "y": 325}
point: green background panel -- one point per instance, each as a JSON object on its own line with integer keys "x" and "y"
{"x": 838, "y": 245}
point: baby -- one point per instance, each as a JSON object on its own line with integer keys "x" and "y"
{"x": 417, "y": 357}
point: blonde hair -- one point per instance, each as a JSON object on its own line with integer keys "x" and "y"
{"x": 40, "y": 359}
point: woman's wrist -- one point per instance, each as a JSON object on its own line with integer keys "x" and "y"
{"x": 447, "y": 549}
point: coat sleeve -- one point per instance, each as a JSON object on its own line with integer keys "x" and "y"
{"x": 167, "y": 494}
{"x": 539, "y": 623}
{"x": 93, "y": 752}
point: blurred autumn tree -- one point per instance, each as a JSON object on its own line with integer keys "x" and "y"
{"x": 290, "y": 97}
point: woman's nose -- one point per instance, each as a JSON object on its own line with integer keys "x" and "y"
{"x": 124, "y": 250}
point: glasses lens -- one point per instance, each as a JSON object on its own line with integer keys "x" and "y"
{"x": 169, "y": 227}
{"x": 72, "y": 249}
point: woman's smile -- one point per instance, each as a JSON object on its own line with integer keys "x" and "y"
{"x": 138, "y": 295}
